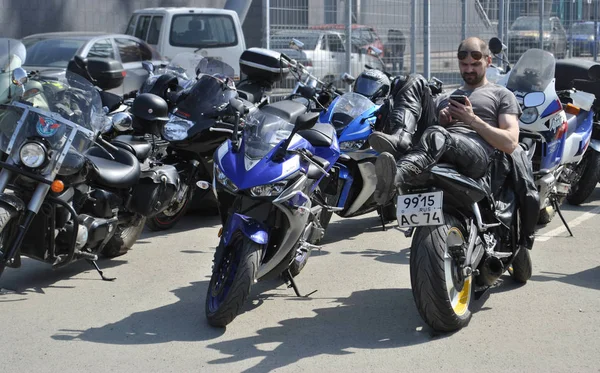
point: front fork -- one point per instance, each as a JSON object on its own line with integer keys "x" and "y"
{"x": 37, "y": 199}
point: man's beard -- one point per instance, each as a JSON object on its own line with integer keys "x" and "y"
{"x": 472, "y": 78}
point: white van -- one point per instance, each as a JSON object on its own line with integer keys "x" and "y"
{"x": 210, "y": 32}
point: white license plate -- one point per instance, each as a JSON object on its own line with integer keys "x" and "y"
{"x": 414, "y": 210}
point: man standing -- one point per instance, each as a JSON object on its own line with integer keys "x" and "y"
{"x": 398, "y": 45}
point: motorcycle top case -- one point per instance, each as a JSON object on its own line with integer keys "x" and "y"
{"x": 156, "y": 188}
{"x": 263, "y": 64}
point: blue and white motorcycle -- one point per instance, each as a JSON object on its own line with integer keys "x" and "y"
{"x": 264, "y": 185}
{"x": 562, "y": 123}
{"x": 352, "y": 184}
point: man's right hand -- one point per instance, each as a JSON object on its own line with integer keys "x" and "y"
{"x": 445, "y": 117}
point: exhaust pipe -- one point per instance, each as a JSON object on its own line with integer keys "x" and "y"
{"x": 491, "y": 270}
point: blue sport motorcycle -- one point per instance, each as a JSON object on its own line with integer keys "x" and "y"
{"x": 264, "y": 184}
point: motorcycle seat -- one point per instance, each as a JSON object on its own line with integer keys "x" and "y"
{"x": 122, "y": 172}
{"x": 321, "y": 134}
{"x": 286, "y": 110}
{"x": 134, "y": 144}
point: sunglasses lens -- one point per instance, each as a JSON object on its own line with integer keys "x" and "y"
{"x": 475, "y": 54}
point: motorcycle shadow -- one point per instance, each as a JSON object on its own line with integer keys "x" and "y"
{"x": 183, "y": 320}
{"x": 35, "y": 276}
{"x": 367, "y": 319}
{"x": 384, "y": 256}
{"x": 346, "y": 229}
{"x": 189, "y": 222}
{"x": 589, "y": 278}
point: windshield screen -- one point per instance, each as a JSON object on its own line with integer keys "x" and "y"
{"x": 205, "y": 98}
{"x": 529, "y": 24}
{"x": 532, "y": 72}
{"x": 51, "y": 52}
{"x": 12, "y": 54}
{"x": 282, "y": 40}
{"x": 63, "y": 115}
{"x": 262, "y": 132}
{"x": 347, "y": 107}
{"x": 583, "y": 28}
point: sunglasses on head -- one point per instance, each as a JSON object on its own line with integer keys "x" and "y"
{"x": 475, "y": 54}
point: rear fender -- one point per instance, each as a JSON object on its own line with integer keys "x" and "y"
{"x": 249, "y": 227}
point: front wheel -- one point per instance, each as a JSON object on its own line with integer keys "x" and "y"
{"x": 441, "y": 292}
{"x": 234, "y": 272}
{"x": 587, "y": 175}
{"x": 7, "y": 231}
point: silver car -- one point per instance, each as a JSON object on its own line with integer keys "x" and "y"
{"x": 51, "y": 53}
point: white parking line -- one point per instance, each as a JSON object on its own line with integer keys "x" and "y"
{"x": 573, "y": 223}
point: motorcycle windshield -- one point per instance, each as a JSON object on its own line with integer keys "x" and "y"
{"x": 183, "y": 65}
{"x": 262, "y": 132}
{"x": 12, "y": 55}
{"x": 347, "y": 107}
{"x": 205, "y": 99}
{"x": 53, "y": 118}
{"x": 532, "y": 72}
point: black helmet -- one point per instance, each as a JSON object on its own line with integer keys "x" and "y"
{"x": 150, "y": 114}
{"x": 373, "y": 84}
{"x": 150, "y": 107}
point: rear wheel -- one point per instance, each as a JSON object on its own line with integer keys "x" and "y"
{"x": 587, "y": 175}
{"x": 124, "y": 238}
{"x": 172, "y": 215}
{"x": 441, "y": 292}
{"x": 521, "y": 267}
{"x": 234, "y": 272}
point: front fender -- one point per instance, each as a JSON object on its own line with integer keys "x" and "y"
{"x": 12, "y": 202}
{"x": 249, "y": 227}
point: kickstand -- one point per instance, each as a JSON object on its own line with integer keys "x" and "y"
{"x": 557, "y": 208}
{"x": 380, "y": 210}
{"x": 292, "y": 284}
{"x": 93, "y": 263}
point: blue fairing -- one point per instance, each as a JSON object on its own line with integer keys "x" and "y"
{"x": 553, "y": 151}
{"x": 585, "y": 128}
{"x": 249, "y": 227}
{"x": 361, "y": 127}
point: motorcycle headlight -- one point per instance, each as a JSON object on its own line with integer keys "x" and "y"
{"x": 352, "y": 145}
{"x": 268, "y": 190}
{"x": 529, "y": 115}
{"x": 176, "y": 129}
{"x": 32, "y": 154}
{"x": 224, "y": 180}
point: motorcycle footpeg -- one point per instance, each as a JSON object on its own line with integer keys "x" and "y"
{"x": 86, "y": 255}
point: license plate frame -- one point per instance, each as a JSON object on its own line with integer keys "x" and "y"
{"x": 420, "y": 209}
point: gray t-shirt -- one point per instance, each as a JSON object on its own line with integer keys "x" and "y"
{"x": 489, "y": 101}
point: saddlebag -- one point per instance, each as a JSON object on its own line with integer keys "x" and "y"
{"x": 155, "y": 190}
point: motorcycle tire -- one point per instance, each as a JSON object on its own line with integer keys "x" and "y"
{"x": 123, "y": 239}
{"x": 163, "y": 222}
{"x": 6, "y": 230}
{"x": 521, "y": 267}
{"x": 234, "y": 272}
{"x": 442, "y": 300}
{"x": 589, "y": 173}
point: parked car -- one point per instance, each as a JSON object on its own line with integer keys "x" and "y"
{"x": 581, "y": 38}
{"x": 524, "y": 34}
{"x": 325, "y": 52}
{"x": 51, "y": 53}
{"x": 363, "y": 36}
{"x": 211, "y": 32}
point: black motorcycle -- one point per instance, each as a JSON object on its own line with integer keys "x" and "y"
{"x": 468, "y": 233}
{"x": 65, "y": 193}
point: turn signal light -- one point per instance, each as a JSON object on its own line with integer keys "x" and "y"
{"x": 57, "y": 186}
{"x": 571, "y": 109}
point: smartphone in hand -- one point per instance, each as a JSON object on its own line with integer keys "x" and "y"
{"x": 459, "y": 98}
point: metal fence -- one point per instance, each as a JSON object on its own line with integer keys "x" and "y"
{"x": 422, "y": 35}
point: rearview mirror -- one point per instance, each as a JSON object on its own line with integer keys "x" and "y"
{"x": 19, "y": 76}
{"x": 348, "y": 79}
{"x": 306, "y": 121}
{"x": 296, "y": 44}
{"x": 148, "y": 66}
{"x": 534, "y": 99}
{"x": 496, "y": 45}
{"x": 594, "y": 72}
{"x": 374, "y": 50}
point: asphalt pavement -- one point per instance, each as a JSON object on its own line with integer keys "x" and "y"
{"x": 361, "y": 319}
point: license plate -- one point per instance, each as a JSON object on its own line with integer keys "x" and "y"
{"x": 414, "y": 210}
